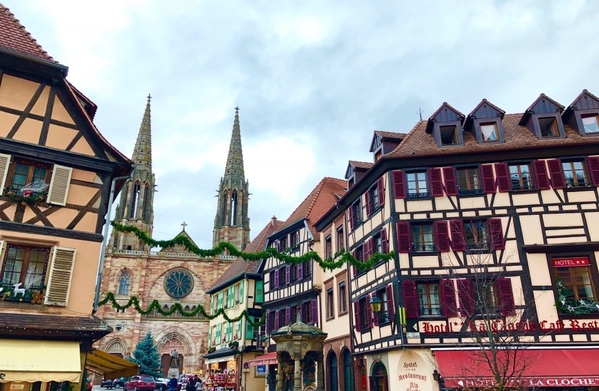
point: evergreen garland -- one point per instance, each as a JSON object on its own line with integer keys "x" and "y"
{"x": 573, "y": 306}
{"x": 340, "y": 259}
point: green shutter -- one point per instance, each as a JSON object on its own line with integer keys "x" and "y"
{"x": 219, "y": 303}
{"x": 210, "y": 336}
{"x": 259, "y": 292}
{"x": 241, "y": 298}
{"x": 231, "y": 296}
{"x": 218, "y": 334}
{"x": 249, "y": 330}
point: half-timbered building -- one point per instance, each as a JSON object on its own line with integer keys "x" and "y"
{"x": 56, "y": 171}
{"x": 493, "y": 221}
{"x": 292, "y": 292}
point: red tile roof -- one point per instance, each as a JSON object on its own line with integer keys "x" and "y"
{"x": 14, "y": 37}
{"x": 318, "y": 202}
{"x": 390, "y": 135}
{"x": 419, "y": 143}
{"x": 357, "y": 164}
{"x": 240, "y": 266}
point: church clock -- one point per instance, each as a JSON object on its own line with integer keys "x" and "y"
{"x": 178, "y": 283}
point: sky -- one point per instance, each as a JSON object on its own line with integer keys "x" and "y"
{"x": 312, "y": 79}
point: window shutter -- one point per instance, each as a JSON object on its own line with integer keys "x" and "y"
{"x": 436, "y": 182}
{"x": 506, "y": 296}
{"x": 451, "y": 185}
{"x": 496, "y": 231}
{"x": 288, "y": 274}
{"x": 458, "y": 237}
{"x": 277, "y": 278}
{"x": 351, "y": 217}
{"x": 403, "y": 236}
{"x": 369, "y": 249}
{"x": 241, "y": 296}
{"x": 384, "y": 241}
{"x": 442, "y": 236}
{"x": 59, "y": 185}
{"x": 368, "y": 312}
{"x": 390, "y": 302}
{"x": 448, "y": 298}
{"x": 503, "y": 177}
{"x": 61, "y": 273}
{"x": 4, "y": 165}
{"x": 277, "y": 324}
{"x": 210, "y": 336}
{"x": 593, "y": 163}
{"x": 557, "y": 174}
{"x": 380, "y": 187}
{"x": 249, "y": 331}
{"x": 410, "y": 299}
{"x": 399, "y": 188}
{"x": 486, "y": 171}
{"x": 357, "y": 319}
{"x": 375, "y": 317}
{"x": 287, "y": 316}
{"x": 465, "y": 297}
{"x": 314, "y": 306}
{"x": 541, "y": 175}
{"x": 300, "y": 271}
{"x": 367, "y": 197}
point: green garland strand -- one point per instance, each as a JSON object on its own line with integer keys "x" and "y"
{"x": 340, "y": 259}
{"x": 177, "y": 307}
{"x": 573, "y": 306}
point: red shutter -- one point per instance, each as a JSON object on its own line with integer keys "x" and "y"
{"x": 288, "y": 274}
{"x": 375, "y": 318}
{"x": 448, "y": 298}
{"x": 436, "y": 182}
{"x": 486, "y": 171}
{"x": 399, "y": 188}
{"x": 384, "y": 241}
{"x": 367, "y": 196}
{"x": 381, "y": 190}
{"x": 368, "y": 312}
{"x": 557, "y": 174}
{"x": 314, "y": 306}
{"x": 277, "y": 278}
{"x": 465, "y": 297}
{"x": 503, "y": 177}
{"x": 287, "y": 316}
{"x": 357, "y": 324}
{"x": 442, "y": 236}
{"x": 410, "y": 299}
{"x": 541, "y": 175}
{"x": 277, "y": 321}
{"x": 506, "y": 296}
{"x": 593, "y": 163}
{"x": 390, "y": 302}
{"x": 300, "y": 271}
{"x": 451, "y": 184}
{"x": 496, "y": 230}
{"x": 351, "y": 217}
{"x": 458, "y": 237}
{"x": 403, "y": 236}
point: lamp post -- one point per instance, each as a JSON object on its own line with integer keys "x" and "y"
{"x": 375, "y": 307}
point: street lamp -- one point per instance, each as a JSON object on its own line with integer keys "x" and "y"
{"x": 375, "y": 304}
{"x": 436, "y": 375}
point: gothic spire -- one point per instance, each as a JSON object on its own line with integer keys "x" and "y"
{"x": 142, "y": 153}
{"x": 234, "y": 173}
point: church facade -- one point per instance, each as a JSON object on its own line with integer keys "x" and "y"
{"x": 172, "y": 275}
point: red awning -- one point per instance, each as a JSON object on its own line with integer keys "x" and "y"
{"x": 265, "y": 359}
{"x": 532, "y": 368}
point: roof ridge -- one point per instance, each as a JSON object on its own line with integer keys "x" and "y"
{"x": 15, "y": 37}
{"x": 408, "y": 136}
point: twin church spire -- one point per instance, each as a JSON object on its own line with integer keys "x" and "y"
{"x": 136, "y": 201}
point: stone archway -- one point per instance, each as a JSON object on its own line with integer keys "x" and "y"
{"x": 166, "y": 357}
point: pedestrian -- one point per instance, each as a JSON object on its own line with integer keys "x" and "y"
{"x": 199, "y": 384}
{"x": 191, "y": 384}
{"x": 172, "y": 383}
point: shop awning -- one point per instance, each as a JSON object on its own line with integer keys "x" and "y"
{"x": 218, "y": 359}
{"x": 31, "y": 361}
{"x": 110, "y": 365}
{"x": 265, "y": 359}
{"x": 537, "y": 367}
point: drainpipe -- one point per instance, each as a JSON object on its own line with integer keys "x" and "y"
{"x": 105, "y": 237}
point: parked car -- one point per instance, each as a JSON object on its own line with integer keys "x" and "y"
{"x": 107, "y": 383}
{"x": 119, "y": 382}
{"x": 162, "y": 384}
{"x": 139, "y": 383}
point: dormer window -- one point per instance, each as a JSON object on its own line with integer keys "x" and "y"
{"x": 548, "y": 127}
{"x": 485, "y": 123}
{"x": 590, "y": 123}
{"x": 449, "y": 135}
{"x": 489, "y": 132}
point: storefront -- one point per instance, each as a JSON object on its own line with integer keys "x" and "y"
{"x": 528, "y": 368}
{"x": 109, "y": 365}
{"x": 221, "y": 373}
{"x": 263, "y": 370}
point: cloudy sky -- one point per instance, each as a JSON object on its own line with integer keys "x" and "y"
{"x": 312, "y": 79}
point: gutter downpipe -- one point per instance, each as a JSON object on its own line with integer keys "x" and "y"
{"x": 105, "y": 238}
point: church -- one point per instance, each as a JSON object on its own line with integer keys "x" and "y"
{"x": 170, "y": 275}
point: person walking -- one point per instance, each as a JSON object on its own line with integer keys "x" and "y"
{"x": 172, "y": 383}
{"x": 199, "y": 384}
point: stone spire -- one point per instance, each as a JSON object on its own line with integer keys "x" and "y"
{"x": 136, "y": 202}
{"x": 232, "y": 223}
{"x": 142, "y": 153}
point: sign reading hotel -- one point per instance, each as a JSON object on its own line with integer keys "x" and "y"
{"x": 413, "y": 374}
{"x": 570, "y": 262}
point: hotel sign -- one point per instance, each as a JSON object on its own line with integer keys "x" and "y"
{"x": 563, "y": 381}
{"x": 571, "y": 262}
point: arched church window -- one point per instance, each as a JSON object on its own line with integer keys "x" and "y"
{"x": 134, "y": 201}
{"x": 233, "y": 216}
{"x": 146, "y": 205}
{"x": 124, "y": 283}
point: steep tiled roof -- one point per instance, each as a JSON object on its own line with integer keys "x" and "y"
{"x": 419, "y": 143}
{"x": 318, "y": 202}
{"x": 241, "y": 266}
{"x": 357, "y": 164}
{"x": 14, "y": 37}
{"x": 390, "y": 135}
